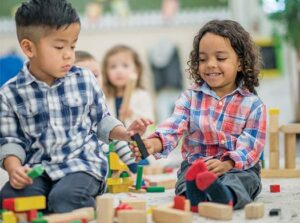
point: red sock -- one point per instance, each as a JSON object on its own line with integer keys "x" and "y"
{"x": 205, "y": 179}
{"x": 197, "y": 167}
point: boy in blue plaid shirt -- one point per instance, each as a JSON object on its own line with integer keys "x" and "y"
{"x": 53, "y": 113}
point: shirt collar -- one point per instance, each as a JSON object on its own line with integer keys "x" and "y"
{"x": 203, "y": 87}
{"x": 25, "y": 77}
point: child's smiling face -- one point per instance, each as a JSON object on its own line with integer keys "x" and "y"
{"x": 218, "y": 63}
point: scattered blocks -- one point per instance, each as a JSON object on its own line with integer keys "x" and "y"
{"x": 167, "y": 184}
{"x": 275, "y": 188}
{"x": 135, "y": 203}
{"x": 254, "y": 210}
{"x": 215, "y": 211}
{"x": 132, "y": 216}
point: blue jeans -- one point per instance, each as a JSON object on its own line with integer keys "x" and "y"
{"x": 76, "y": 190}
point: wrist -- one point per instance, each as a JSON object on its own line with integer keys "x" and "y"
{"x": 229, "y": 164}
{"x": 10, "y": 163}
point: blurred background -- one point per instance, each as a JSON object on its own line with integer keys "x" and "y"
{"x": 162, "y": 32}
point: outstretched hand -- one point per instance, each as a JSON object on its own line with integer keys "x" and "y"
{"x": 138, "y": 126}
{"x": 218, "y": 167}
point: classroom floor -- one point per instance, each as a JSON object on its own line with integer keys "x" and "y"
{"x": 288, "y": 200}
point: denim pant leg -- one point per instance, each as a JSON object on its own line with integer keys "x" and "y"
{"x": 41, "y": 186}
{"x": 245, "y": 184}
{"x": 180, "y": 187}
{"x": 76, "y": 190}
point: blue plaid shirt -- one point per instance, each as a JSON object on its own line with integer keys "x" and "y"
{"x": 58, "y": 126}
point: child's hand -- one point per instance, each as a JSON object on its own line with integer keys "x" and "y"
{"x": 218, "y": 167}
{"x": 138, "y": 126}
{"x": 136, "y": 152}
{"x": 18, "y": 178}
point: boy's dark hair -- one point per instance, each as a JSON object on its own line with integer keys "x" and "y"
{"x": 81, "y": 55}
{"x": 44, "y": 14}
{"x": 243, "y": 45}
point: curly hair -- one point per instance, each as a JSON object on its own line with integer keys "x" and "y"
{"x": 108, "y": 87}
{"x": 243, "y": 45}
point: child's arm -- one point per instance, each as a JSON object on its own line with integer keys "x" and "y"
{"x": 17, "y": 173}
{"x": 250, "y": 143}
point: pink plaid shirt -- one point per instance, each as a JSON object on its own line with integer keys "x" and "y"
{"x": 232, "y": 127}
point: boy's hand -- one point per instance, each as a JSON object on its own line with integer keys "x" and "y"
{"x": 149, "y": 145}
{"x": 218, "y": 167}
{"x": 138, "y": 126}
{"x": 18, "y": 178}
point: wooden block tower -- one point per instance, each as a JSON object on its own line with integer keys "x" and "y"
{"x": 290, "y": 131}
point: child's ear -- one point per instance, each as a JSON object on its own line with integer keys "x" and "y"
{"x": 240, "y": 66}
{"x": 27, "y": 47}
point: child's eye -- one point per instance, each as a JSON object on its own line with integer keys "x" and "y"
{"x": 221, "y": 58}
{"x": 59, "y": 47}
{"x": 73, "y": 47}
{"x": 201, "y": 59}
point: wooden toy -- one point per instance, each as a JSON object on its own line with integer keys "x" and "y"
{"x": 167, "y": 184}
{"x": 105, "y": 208}
{"x": 275, "y": 188}
{"x": 215, "y": 211}
{"x": 36, "y": 172}
{"x": 135, "y": 203}
{"x": 78, "y": 214}
{"x": 254, "y": 210}
{"x": 140, "y": 145}
{"x": 155, "y": 189}
{"x": 132, "y": 216}
{"x": 275, "y": 212}
{"x": 167, "y": 215}
{"x": 29, "y": 203}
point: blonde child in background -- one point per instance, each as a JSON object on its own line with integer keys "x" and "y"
{"x": 221, "y": 119}
{"x": 118, "y": 64}
{"x": 87, "y": 60}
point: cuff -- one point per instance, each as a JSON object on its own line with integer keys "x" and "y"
{"x": 12, "y": 149}
{"x": 235, "y": 157}
{"x": 133, "y": 167}
{"x": 105, "y": 127}
{"x": 164, "y": 153}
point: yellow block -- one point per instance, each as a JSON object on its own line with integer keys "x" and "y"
{"x": 9, "y": 217}
{"x": 30, "y": 203}
{"x": 115, "y": 163}
{"x": 274, "y": 111}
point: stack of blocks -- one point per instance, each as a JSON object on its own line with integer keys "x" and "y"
{"x": 290, "y": 131}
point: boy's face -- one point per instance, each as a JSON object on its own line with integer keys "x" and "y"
{"x": 53, "y": 54}
{"x": 218, "y": 63}
{"x": 94, "y": 67}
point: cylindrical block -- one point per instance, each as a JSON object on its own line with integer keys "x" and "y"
{"x": 273, "y": 120}
{"x": 290, "y": 151}
{"x": 274, "y": 150}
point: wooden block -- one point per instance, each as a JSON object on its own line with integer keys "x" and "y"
{"x": 275, "y": 212}
{"x": 8, "y": 204}
{"x": 274, "y": 150}
{"x": 280, "y": 173}
{"x": 30, "y": 203}
{"x": 35, "y": 172}
{"x": 135, "y": 203}
{"x": 78, "y": 214}
{"x": 132, "y": 216}
{"x": 290, "y": 142}
{"x": 153, "y": 170}
{"x": 179, "y": 202}
{"x": 273, "y": 120}
{"x": 134, "y": 190}
{"x": 105, "y": 208}
{"x": 291, "y": 128}
{"x": 167, "y": 184}
{"x": 215, "y": 211}
{"x": 9, "y": 217}
{"x": 254, "y": 210}
{"x": 275, "y": 188}
{"x": 169, "y": 215}
{"x": 21, "y": 216}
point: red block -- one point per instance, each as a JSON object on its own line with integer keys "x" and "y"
{"x": 8, "y": 204}
{"x": 179, "y": 202}
{"x": 31, "y": 215}
{"x": 275, "y": 188}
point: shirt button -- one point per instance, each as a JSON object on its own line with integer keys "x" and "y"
{"x": 220, "y": 103}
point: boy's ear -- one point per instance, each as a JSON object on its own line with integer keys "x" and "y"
{"x": 240, "y": 66}
{"x": 27, "y": 47}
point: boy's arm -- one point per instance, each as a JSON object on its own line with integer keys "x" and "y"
{"x": 251, "y": 142}
{"x": 11, "y": 136}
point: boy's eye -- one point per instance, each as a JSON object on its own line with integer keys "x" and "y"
{"x": 72, "y": 47}
{"x": 201, "y": 59}
{"x": 221, "y": 58}
{"x": 59, "y": 47}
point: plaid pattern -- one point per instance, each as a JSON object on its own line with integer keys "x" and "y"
{"x": 232, "y": 127}
{"x": 56, "y": 125}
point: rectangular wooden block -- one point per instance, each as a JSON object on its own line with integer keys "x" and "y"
{"x": 280, "y": 173}
{"x": 291, "y": 128}
{"x": 254, "y": 210}
{"x": 30, "y": 203}
{"x": 215, "y": 211}
{"x": 132, "y": 216}
{"x": 135, "y": 203}
{"x": 170, "y": 215}
{"x": 82, "y": 213}
{"x": 167, "y": 184}
{"x": 105, "y": 208}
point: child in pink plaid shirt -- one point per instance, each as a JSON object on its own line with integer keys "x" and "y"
{"x": 220, "y": 117}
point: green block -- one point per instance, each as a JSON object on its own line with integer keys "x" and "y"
{"x": 36, "y": 172}
{"x": 124, "y": 175}
{"x": 139, "y": 178}
{"x": 39, "y": 220}
{"x": 155, "y": 189}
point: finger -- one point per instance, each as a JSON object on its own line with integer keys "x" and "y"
{"x": 22, "y": 176}
{"x": 21, "y": 179}
{"x": 15, "y": 184}
{"x": 211, "y": 164}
